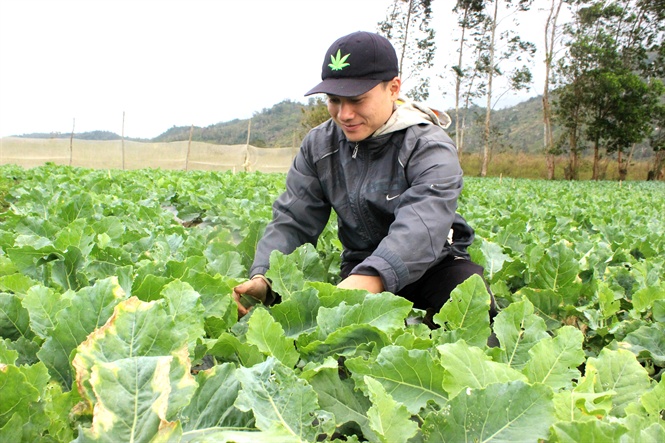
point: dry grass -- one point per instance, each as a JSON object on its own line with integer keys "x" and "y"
{"x": 534, "y": 167}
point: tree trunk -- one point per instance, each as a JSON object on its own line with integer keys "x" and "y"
{"x": 458, "y": 85}
{"x": 571, "y": 170}
{"x": 490, "y": 76}
{"x": 624, "y": 164}
{"x": 406, "y": 39}
{"x": 596, "y": 160}
{"x": 621, "y": 167}
{"x": 657, "y": 171}
{"x": 550, "y": 38}
{"x": 548, "y": 137}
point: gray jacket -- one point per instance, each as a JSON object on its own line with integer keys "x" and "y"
{"x": 395, "y": 196}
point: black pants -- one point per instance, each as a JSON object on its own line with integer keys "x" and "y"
{"x": 433, "y": 289}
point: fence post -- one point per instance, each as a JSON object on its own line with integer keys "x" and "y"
{"x": 122, "y": 140}
{"x": 247, "y": 163}
{"x": 189, "y": 147}
{"x": 71, "y": 142}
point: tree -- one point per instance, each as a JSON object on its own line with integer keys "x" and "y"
{"x": 407, "y": 26}
{"x": 657, "y": 143}
{"x": 315, "y": 113}
{"x": 551, "y": 38}
{"x": 608, "y": 69}
{"x": 512, "y": 50}
{"x": 471, "y": 20}
{"x": 569, "y": 115}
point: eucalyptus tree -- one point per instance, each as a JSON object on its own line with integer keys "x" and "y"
{"x": 551, "y": 42}
{"x": 497, "y": 49}
{"x": 471, "y": 20}
{"x": 408, "y": 27}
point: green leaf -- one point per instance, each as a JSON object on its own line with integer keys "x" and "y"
{"x": 339, "y": 396}
{"x": 228, "y": 264}
{"x": 647, "y": 342}
{"x": 77, "y": 234}
{"x": 136, "y": 329}
{"x": 80, "y": 206}
{"x": 212, "y": 405}
{"x": 608, "y": 303}
{"x": 298, "y": 314}
{"x": 280, "y": 400}
{"x": 16, "y": 283}
{"x": 90, "y": 308}
{"x": 557, "y": 269}
{"x": 7, "y": 356}
{"x": 554, "y": 361}
{"x": 229, "y": 348}
{"x": 501, "y": 412}
{"x": 654, "y": 400}
{"x": 618, "y": 371}
{"x": 65, "y": 272}
{"x": 289, "y": 272}
{"x": 659, "y": 311}
{"x": 43, "y": 304}
{"x": 390, "y": 420}
{"x": 30, "y": 260}
{"x": 384, "y": 311}
{"x": 185, "y": 308}
{"x": 132, "y": 398}
{"x": 412, "y": 377}
{"x": 580, "y": 405}
{"x": 494, "y": 258}
{"x": 547, "y": 305}
{"x": 268, "y": 336}
{"x": 14, "y": 318}
{"x": 17, "y": 401}
{"x": 468, "y": 367}
{"x": 348, "y": 341}
{"x": 181, "y": 269}
{"x": 220, "y": 310}
{"x": 231, "y": 435}
{"x": 587, "y": 431}
{"x": 465, "y": 316}
{"x": 13, "y": 428}
{"x": 644, "y": 298}
{"x": 150, "y": 287}
{"x": 518, "y": 330}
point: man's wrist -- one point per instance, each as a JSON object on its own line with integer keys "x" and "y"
{"x": 270, "y": 295}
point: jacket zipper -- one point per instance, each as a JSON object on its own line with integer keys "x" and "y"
{"x": 361, "y": 182}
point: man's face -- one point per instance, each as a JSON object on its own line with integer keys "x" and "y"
{"x": 359, "y": 117}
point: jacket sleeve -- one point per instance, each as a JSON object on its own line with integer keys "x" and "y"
{"x": 424, "y": 216}
{"x": 300, "y": 214}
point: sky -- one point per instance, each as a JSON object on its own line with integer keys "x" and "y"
{"x": 84, "y": 64}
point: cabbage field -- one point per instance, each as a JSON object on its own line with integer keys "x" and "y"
{"x": 117, "y": 323}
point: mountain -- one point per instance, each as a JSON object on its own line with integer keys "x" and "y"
{"x": 517, "y": 128}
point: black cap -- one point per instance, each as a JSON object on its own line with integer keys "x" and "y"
{"x": 356, "y": 63}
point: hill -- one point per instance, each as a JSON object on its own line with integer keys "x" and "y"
{"x": 276, "y": 127}
{"x": 517, "y": 128}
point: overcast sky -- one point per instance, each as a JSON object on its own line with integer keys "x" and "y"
{"x": 171, "y": 62}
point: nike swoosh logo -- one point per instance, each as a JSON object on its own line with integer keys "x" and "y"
{"x": 388, "y": 197}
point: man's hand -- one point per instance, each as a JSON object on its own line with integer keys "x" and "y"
{"x": 250, "y": 293}
{"x": 369, "y": 283}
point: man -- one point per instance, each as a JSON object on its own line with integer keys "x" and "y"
{"x": 392, "y": 175}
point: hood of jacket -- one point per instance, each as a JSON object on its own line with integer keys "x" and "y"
{"x": 408, "y": 113}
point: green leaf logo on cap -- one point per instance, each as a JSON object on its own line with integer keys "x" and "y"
{"x": 338, "y": 62}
